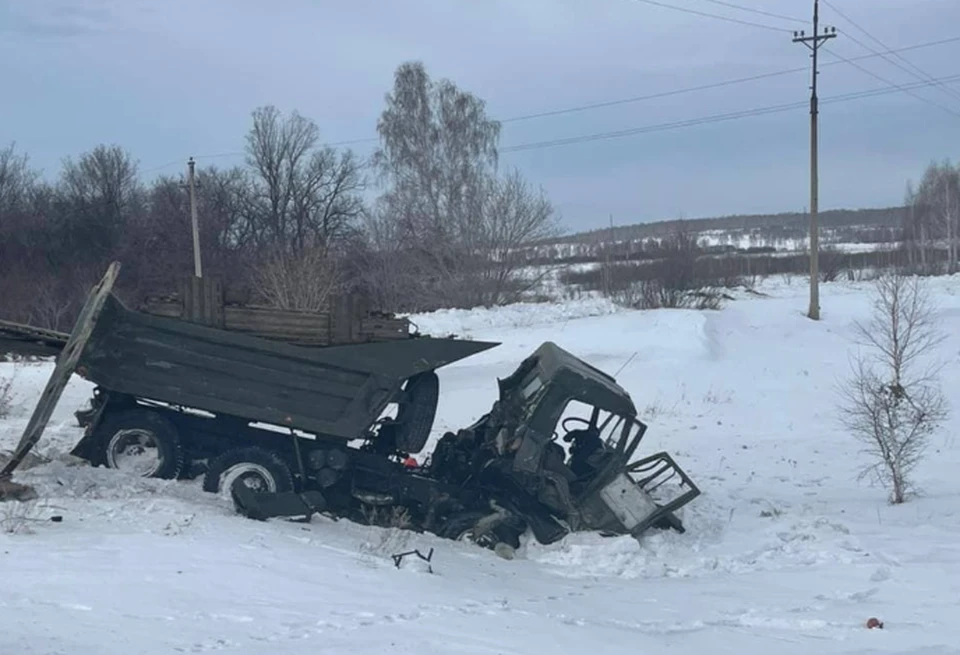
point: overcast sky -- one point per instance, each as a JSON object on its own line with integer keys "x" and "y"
{"x": 167, "y": 79}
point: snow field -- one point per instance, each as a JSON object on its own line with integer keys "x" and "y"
{"x": 784, "y": 552}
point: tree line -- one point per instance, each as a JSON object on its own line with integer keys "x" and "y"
{"x": 931, "y": 226}
{"x": 428, "y": 221}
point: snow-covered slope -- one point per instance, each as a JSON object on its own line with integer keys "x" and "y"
{"x": 785, "y": 551}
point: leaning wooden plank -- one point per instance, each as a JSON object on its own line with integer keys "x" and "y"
{"x": 66, "y": 364}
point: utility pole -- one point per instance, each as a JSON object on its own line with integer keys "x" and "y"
{"x": 607, "y": 272}
{"x": 193, "y": 217}
{"x": 813, "y": 42}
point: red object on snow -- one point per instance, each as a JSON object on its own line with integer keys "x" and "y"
{"x": 411, "y": 463}
{"x": 874, "y": 622}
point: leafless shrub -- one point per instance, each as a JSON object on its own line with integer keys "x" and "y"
{"x": 6, "y": 391}
{"x": 832, "y": 263}
{"x": 892, "y": 402}
{"x": 301, "y": 281}
{"x": 387, "y": 517}
{"x": 653, "y": 294}
{"x": 16, "y": 516}
{"x": 670, "y": 281}
{"x": 51, "y": 307}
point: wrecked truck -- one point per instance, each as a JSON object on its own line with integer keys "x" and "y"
{"x": 286, "y": 430}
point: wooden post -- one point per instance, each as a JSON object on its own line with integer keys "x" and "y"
{"x": 344, "y": 326}
{"x": 202, "y": 300}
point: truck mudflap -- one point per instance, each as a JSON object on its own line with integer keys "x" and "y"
{"x": 648, "y": 475}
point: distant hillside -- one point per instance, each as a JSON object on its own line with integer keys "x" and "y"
{"x": 852, "y": 230}
{"x": 765, "y": 227}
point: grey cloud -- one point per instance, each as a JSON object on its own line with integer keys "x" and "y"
{"x": 52, "y": 19}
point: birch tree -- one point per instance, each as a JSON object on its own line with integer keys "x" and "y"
{"x": 453, "y": 216}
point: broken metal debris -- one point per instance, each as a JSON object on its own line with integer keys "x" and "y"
{"x": 398, "y": 558}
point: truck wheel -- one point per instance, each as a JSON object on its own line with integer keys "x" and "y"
{"x": 257, "y": 468}
{"x": 417, "y": 411}
{"x": 140, "y": 441}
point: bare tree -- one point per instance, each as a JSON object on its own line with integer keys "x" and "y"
{"x": 302, "y": 191}
{"x": 382, "y": 266}
{"x": 438, "y": 151}
{"x": 460, "y": 226}
{"x": 938, "y": 207}
{"x": 18, "y": 229}
{"x": 157, "y": 246}
{"x": 513, "y": 217}
{"x": 16, "y": 182}
{"x": 914, "y": 234}
{"x": 892, "y": 402}
{"x": 97, "y": 195}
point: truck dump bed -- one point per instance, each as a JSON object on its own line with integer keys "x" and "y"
{"x": 336, "y": 391}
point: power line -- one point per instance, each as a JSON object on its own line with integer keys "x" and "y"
{"x": 651, "y": 96}
{"x": 713, "y": 85}
{"x": 894, "y": 84}
{"x": 715, "y": 16}
{"x": 664, "y": 94}
{"x": 635, "y": 99}
{"x": 716, "y": 118}
{"x": 705, "y": 120}
{"x": 536, "y": 145}
{"x": 761, "y": 12}
{"x": 237, "y": 153}
{"x": 160, "y": 167}
{"x": 916, "y": 69}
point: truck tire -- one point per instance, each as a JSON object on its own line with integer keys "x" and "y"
{"x": 417, "y": 411}
{"x": 139, "y": 441}
{"x": 256, "y": 467}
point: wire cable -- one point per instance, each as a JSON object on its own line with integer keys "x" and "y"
{"x": 916, "y": 71}
{"x": 760, "y": 12}
{"x": 331, "y": 144}
{"x": 662, "y": 94}
{"x": 906, "y": 90}
{"x": 713, "y": 85}
{"x": 697, "y": 12}
{"x": 703, "y": 120}
{"x": 759, "y": 111}
{"x": 652, "y": 96}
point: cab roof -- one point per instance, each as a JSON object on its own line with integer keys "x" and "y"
{"x": 559, "y": 368}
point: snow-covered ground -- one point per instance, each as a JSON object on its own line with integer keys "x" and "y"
{"x": 785, "y": 552}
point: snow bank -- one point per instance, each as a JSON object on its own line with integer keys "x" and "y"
{"x": 466, "y": 322}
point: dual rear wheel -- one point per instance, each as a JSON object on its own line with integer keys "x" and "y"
{"x": 143, "y": 442}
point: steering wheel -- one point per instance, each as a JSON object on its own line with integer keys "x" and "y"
{"x": 574, "y": 419}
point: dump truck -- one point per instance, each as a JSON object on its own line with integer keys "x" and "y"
{"x": 286, "y": 430}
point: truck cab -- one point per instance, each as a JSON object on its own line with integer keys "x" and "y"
{"x": 562, "y": 437}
